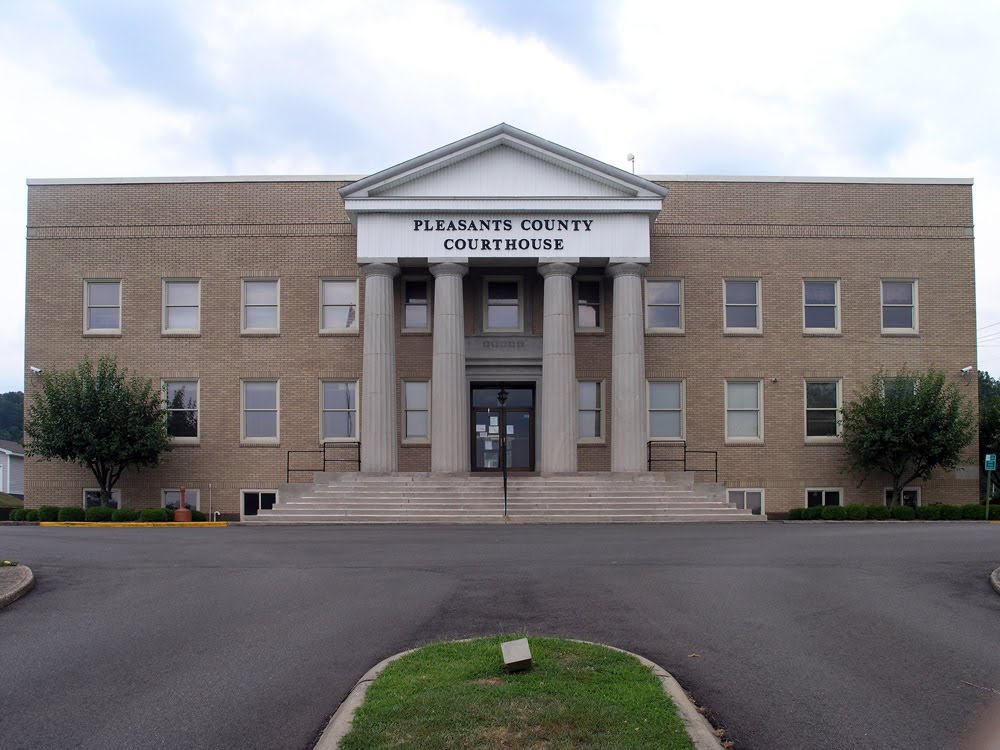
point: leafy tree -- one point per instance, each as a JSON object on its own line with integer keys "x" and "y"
{"x": 98, "y": 417}
{"x": 989, "y": 421}
{"x": 906, "y": 426}
{"x": 12, "y": 416}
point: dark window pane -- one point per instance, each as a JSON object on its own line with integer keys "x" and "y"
{"x": 267, "y": 500}
{"x": 501, "y": 291}
{"x": 821, "y": 317}
{"x": 755, "y": 502}
{"x": 665, "y": 316}
{"x": 741, "y": 292}
{"x": 182, "y": 423}
{"x": 821, "y": 395}
{"x": 831, "y": 497}
{"x": 182, "y": 395}
{"x": 740, "y": 316}
{"x": 589, "y": 291}
{"x": 814, "y": 498}
{"x": 821, "y": 292}
{"x": 897, "y": 317}
{"x": 821, "y": 423}
{"x": 416, "y": 292}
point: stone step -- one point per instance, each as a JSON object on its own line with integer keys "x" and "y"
{"x": 475, "y": 519}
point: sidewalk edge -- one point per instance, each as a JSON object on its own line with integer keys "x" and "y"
{"x": 21, "y": 587}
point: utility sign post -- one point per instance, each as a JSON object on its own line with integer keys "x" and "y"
{"x": 990, "y": 466}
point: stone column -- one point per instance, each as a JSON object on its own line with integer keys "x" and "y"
{"x": 378, "y": 371}
{"x": 558, "y": 430}
{"x": 449, "y": 392}
{"x": 628, "y": 370}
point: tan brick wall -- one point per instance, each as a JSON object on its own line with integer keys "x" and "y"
{"x": 223, "y": 232}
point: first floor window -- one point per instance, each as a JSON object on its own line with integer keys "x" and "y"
{"x": 663, "y": 305}
{"x": 260, "y": 305}
{"x": 181, "y": 403}
{"x": 752, "y": 500}
{"x": 103, "y": 306}
{"x": 340, "y": 410}
{"x": 181, "y": 306}
{"x": 743, "y": 412}
{"x": 822, "y": 408}
{"x": 666, "y": 409}
{"x": 260, "y": 409}
{"x": 590, "y": 406}
{"x": 742, "y": 305}
{"x": 899, "y": 306}
{"x": 92, "y": 499}
{"x": 172, "y": 499}
{"x": 416, "y": 305}
{"x": 909, "y": 496}
{"x": 340, "y": 305}
{"x": 820, "y": 497}
{"x": 255, "y": 501}
{"x": 416, "y": 401}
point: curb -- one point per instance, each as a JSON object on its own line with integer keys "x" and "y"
{"x": 995, "y": 580}
{"x": 113, "y": 525}
{"x": 701, "y": 732}
{"x": 24, "y": 581}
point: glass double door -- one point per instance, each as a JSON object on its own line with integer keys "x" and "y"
{"x": 499, "y": 430}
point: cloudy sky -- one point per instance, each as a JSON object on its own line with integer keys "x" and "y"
{"x": 97, "y": 88}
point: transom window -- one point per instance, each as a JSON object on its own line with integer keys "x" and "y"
{"x": 416, "y": 305}
{"x": 822, "y": 309}
{"x": 742, "y": 305}
{"x": 340, "y": 410}
{"x": 180, "y": 399}
{"x": 899, "y": 306}
{"x": 589, "y": 307}
{"x": 340, "y": 305}
{"x": 172, "y": 499}
{"x": 503, "y": 305}
{"x": 260, "y": 410}
{"x": 823, "y": 496}
{"x": 664, "y": 305}
{"x": 260, "y": 305}
{"x": 752, "y": 500}
{"x": 416, "y": 409}
{"x": 822, "y": 408}
{"x": 666, "y": 409}
{"x": 743, "y": 410}
{"x": 590, "y": 407}
{"x": 181, "y": 306}
{"x": 103, "y": 302}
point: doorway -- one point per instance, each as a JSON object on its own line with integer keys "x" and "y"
{"x": 510, "y": 427}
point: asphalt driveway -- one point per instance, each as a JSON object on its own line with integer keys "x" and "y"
{"x": 808, "y": 635}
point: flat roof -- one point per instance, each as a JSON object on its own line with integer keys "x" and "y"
{"x": 353, "y": 178}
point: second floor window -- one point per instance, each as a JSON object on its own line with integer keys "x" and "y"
{"x": 103, "y": 306}
{"x": 260, "y": 305}
{"x": 340, "y": 305}
{"x": 181, "y": 306}
{"x": 821, "y": 310}
{"x": 742, "y": 305}
{"x": 503, "y": 305}
{"x": 416, "y": 305}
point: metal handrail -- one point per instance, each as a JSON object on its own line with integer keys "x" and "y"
{"x": 326, "y": 458}
{"x": 683, "y": 460}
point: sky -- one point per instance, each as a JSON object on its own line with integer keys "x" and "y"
{"x": 112, "y": 88}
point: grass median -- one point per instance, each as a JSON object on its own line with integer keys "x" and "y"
{"x": 458, "y": 696}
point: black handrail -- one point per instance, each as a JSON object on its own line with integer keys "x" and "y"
{"x": 324, "y": 451}
{"x": 683, "y": 460}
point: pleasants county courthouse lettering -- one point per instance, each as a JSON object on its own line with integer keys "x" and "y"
{"x": 680, "y": 345}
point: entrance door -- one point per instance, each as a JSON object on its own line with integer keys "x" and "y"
{"x": 510, "y": 428}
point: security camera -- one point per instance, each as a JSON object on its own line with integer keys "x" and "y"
{"x": 36, "y": 370}
{"x": 965, "y": 370}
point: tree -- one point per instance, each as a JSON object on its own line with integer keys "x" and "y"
{"x": 12, "y": 416}
{"x": 101, "y": 418}
{"x": 907, "y": 425}
{"x": 989, "y": 422}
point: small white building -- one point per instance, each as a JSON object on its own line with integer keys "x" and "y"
{"x": 11, "y": 468}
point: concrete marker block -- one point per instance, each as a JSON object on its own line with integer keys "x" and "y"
{"x": 516, "y": 655}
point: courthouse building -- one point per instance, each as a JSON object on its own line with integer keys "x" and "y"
{"x": 721, "y": 318}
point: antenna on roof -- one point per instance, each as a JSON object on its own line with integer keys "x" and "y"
{"x": 631, "y": 158}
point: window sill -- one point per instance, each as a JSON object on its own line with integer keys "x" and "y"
{"x": 591, "y": 441}
{"x": 260, "y": 334}
{"x": 589, "y": 331}
{"x": 416, "y": 332}
{"x": 338, "y": 441}
{"x": 900, "y": 334}
{"x": 744, "y": 442}
{"x": 824, "y": 441}
{"x": 411, "y": 442}
{"x": 184, "y": 442}
{"x": 260, "y": 443}
{"x": 180, "y": 334}
{"x": 820, "y": 334}
{"x": 665, "y": 332}
{"x": 340, "y": 332}
{"x": 103, "y": 334}
{"x": 751, "y": 334}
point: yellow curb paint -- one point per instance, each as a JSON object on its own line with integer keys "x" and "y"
{"x": 166, "y": 525}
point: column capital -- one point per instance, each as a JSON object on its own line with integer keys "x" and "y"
{"x": 380, "y": 269}
{"x": 557, "y": 269}
{"x": 448, "y": 269}
{"x": 626, "y": 269}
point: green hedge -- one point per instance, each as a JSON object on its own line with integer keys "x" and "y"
{"x": 153, "y": 515}
{"x": 48, "y": 513}
{"x": 834, "y": 513}
{"x": 124, "y": 515}
{"x": 857, "y": 512}
{"x": 879, "y": 513}
{"x": 975, "y": 512}
{"x": 197, "y": 515}
{"x": 72, "y": 513}
{"x": 951, "y": 512}
{"x": 170, "y": 513}
{"x": 903, "y": 513}
{"x": 17, "y": 514}
{"x": 929, "y": 512}
{"x": 99, "y": 514}
{"x": 813, "y": 514}
{"x": 31, "y": 515}
{"x": 796, "y": 514}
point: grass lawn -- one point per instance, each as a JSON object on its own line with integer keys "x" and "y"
{"x": 9, "y": 501}
{"x": 457, "y": 696}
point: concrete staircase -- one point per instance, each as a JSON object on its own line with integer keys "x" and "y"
{"x": 585, "y": 497}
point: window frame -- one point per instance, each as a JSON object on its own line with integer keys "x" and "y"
{"x": 824, "y": 490}
{"x": 838, "y": 437}
{"x": 244, "y": 330}
{"x": 486, "y": 304}
{"x": 164, "y": 330}
{"x": 739, "y": 440}
{"x": 744, "y": 490}
{"x": 759, "y": 306}
{"x": 680, "y": 305}
{"x": 914, "y": 306}
{"x": 357, "y": 410}
{"x": 197, "y": 394}
{"x": 408, "y": 439}
{"x": 427, "y": 282}
{"x": 262, "y": 441}
{"x": 243, "y": 492}
{"x": 836, "y": 307}
{"x": 87, "y": 330}
{"x": 353, "y": 330}
{"x": 115, "y": 493}
{"x": 188, "y": 491}
{"x": 649, "y": 410}
{"x": 601, "y": 438}
{"x": 599, "y": 328}
{"x": 912, "y": 488}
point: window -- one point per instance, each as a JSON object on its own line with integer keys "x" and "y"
{"x": 172, "y": 499}
{"x": 909, "y": 496}
{"x": 752, "y": 500}
{"x": 823, "y": 496}
{"x": 340, "y": 410}
{"x": 503, "y": 305}
{"x": 822, "y": 408}
{"x": 92, "y": 498}
{"x": 589, "y": 304}
{"x": 180, "y": 399}
{"x": 416, "y": 410}
{"x": 255, "y": 501}
{"x": 103, "y": 303}
{"x": 899, "y": 387}
{"x": 821, "y": 300}
{"x": 260, "y": 305}
{"x": 743, "y": 410}
{"x": 416, "y": 305}
{"x": 742, "y": 305}
{"x": 340, "y": 305}
{"x": 899, "y": 306}
{"x": 260, "y": 411}
{"x": 181, "y": 306}
{"x": 665, "y": 305}
{"x": 590, "y": 414}
{"x": 666, "y": 409}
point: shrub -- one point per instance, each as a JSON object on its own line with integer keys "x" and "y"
{"x": 31, "y": 515}
{"x": 99, "y": 514}
{"x": 974, "y": 512}
{"x": 197, "y": 515}
{"x": 17, "y": 514}
{"x": 951, "y": 512}
{"x": 72, "y": 513}
{"x": 169, "y": 512}
{"x": 813, "y": 514}
{"x": 879, "y": 513}
{"x": 834, "y": 513}
{"x": 857, "y": 512}
{"x": 48, "y": 513}
{"x": 929, "y": 512}
{"x": 153, "y": 515}
{"x": 124, "y": 515}
{"x": 903, "y": 513}
{"x": 796, "y": 514}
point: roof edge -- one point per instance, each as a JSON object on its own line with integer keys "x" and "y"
{"x": 193, "y": 179}
{"x": 814, "y": 179}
